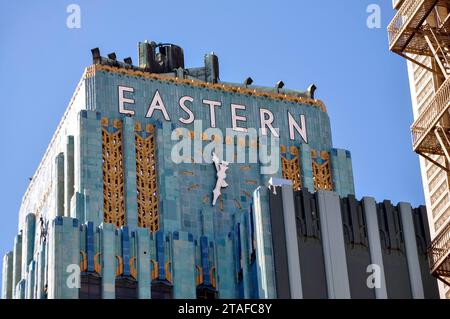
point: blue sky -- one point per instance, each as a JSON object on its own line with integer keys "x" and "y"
{"x": 364, "y": 86}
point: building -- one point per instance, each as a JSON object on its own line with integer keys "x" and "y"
{"x": 164, "y": 182}
{"x": 419, "y": 33}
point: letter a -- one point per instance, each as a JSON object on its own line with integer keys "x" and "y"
{"x": 157, "y": 104}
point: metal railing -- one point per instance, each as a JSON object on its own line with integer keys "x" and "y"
{"x": 402, "y": 18}
{"x": 432, "y": 113}
{"x": 440, "y": 248}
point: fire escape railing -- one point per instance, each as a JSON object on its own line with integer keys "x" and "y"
{"x": 402, "y": 19}
{"x": 411, "y": 35}
{"x": 438, "y": 253}
{"x": 431, "y": 114}
{"x": 410, "y": 16}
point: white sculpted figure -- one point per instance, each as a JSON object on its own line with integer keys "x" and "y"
{"x": 221, "y": 168}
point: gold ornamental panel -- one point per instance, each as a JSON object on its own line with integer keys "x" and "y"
{"x": 113, "y": 177}
{"x": 290, "y": 166}
{"x": 322, "y": 171}
{"x": 147, "y": 180}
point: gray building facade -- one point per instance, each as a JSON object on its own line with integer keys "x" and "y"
{"x": 325, "y": 246}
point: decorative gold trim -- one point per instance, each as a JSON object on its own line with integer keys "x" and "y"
{"x": 193, "y": 187}
{"x": 199, "y": 277}
{"x": 133, "y": 270}
{"x": 90, "y": 71}
{"x": 113, "y": 177}
{"x": 104, "y": 121}
{"x": 212, "y": 275}
{"x": 83, "y": 262}
{"x": 97, "y": 264}
{"x": 117, "y": 123}
{"x": 168, "y": 273}
{"x": 154, "y": 270}
{"x": 322, "y": 172}
{"x": 150, "y": 128}
{"x": 137, "y": 126}
{"x": 119, "y": 267}
{"x": 147, "y": 181}
{"x": 216, "y": 86}
{"x": 291, "y": 167}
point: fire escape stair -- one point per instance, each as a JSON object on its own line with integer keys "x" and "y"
{"x": 405, "y": 25}
{"x": 424, "y": 135}
{"x": 439, "y": 256}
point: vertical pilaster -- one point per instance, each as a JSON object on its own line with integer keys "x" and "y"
{"x": 7, "y": 276}
{"x": 226, "y": 283}
{"x": 306, "y": 167}
{"x": 28, "y": 242}
{"x": 161, "y": 255}
{"x": 342, "y": 172}
{"x": 35, "y": 280}
{"x": 204, "y": 253}
{"x": 286, "y": 258}
{"x": 30, "y": 284}
{"x": 373, "y": 235}
{"x": 20, "y": 289}
{"x": 126, "y": 250}
{"x": 244, "y": 260}
{"x": 90, "y": 246}
{"x": 109, "y": 261}
{"x": 184, "y": 266}
{"x": 295, "y": 280}
{"x": 333, "y": 245}
{"x": 59, "y": 184}
{"x": 64, "y": 258}
{"x": 17, "y": 261}
{"x": 264, "y": 251}
{"x": 68, "y": 174}
{"x": 168, "y": 182}
{"x": 89, "y": 166}
{"x": 41, "y": 271}
{"x": 77, "y": 207}
{"x": 412, "y": 256}
{"x": 143, "y": 263}
{"x": 207, "y": 221}
{"x": 129, "y": 158}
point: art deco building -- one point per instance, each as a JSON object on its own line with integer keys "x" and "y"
{"x": 419, "y": 32}
{"x": 116, "y": 210}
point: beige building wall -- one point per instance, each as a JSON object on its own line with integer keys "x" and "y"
{"x": 435, "y": 180}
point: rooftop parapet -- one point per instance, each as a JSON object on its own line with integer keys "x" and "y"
{"x": 168, "y": 60}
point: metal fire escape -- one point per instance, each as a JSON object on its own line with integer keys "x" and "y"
{"x": 422, "y": 28}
